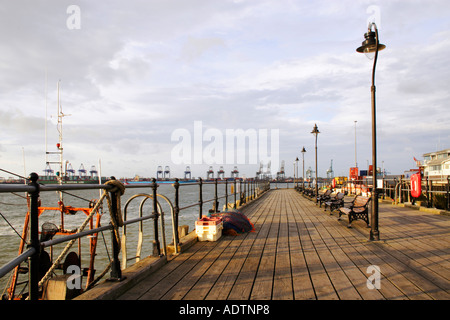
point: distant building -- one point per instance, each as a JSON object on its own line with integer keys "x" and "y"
{"x": 436, "y": 165}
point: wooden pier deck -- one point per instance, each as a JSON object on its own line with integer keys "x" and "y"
{"x": 300, "y": 252}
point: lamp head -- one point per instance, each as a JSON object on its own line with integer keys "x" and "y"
{"x": 315, "y": 130}
{"x": 369, "y": 45}
{"x": 303, "y": 150}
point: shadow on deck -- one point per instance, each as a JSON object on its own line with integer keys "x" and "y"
{"x": 300, "y": 252}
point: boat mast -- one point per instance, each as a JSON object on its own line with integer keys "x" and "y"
{"x": 46, "y": 149}
{"x": 59, "y": 145}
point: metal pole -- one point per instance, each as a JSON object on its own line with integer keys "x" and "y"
{"x": 226, "y": 195}
{"x": 116, "y": 272}
{"x": 303, "y": 181}
{"x": 177, "y": 210}
{"x": 156, "y": 246}
{"x": 200, "y": 199}
{"x": 216, "y": 201}
{"x": 317, "y": 187}
{"x": 34, "y": 238}
{"x": 356, "y": 162}
{"x": 253, "y": 189}
{"x": 448, "y": 193}
{"x": 374, "y": 232}
{"x": 235, "y": 205}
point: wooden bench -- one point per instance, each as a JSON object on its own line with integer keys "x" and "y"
{"x": 324, "y": 197}
{"x": 358, "y": 209}
{"x": 335, "y": 203}
{"x": 309, "y": 192}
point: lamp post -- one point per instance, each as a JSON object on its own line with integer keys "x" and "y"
{"x": 296, "y": 164}
{"x": 356, "y": 162}
{"x": 316, "y": 133}
{"x": 303, "y": 179}
{"x": 293, "y": 163}
{"x": 371, "y": 45}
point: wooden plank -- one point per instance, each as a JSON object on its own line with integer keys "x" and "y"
{"x": 182, "y": 287}
{"x": 282, "y": 281}
{"x": 421, "y": 283}
{"x": 205, "y": 281}
{"x": 300, "y": 252}
{"x": 301, "y": 281}
{"x": 323, "y": 287}
{"x": 349, "y": 240}
{"x": 203, "y": 286}
{"x": 363, "y": 258}
{"x": 139, "y": 290}
{"x": 167, "y": 281}
{"x": 335, "y": 245}
{"x": 262, "y": 287}
{"x": 223, "y": 285}
{"x": 343, "y": 286}
{"x": 415, "y": 253}
{"x": 244, "y": 283}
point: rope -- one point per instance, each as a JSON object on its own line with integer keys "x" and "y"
{"x": 116, "y": 221}
{"x": 71, "y": 242}
{"x": 118, "y": 190}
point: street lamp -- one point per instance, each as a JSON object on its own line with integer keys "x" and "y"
{"x": 316, "y": 133}
{"x": 356, "y": 162}
{"x": 296, "y": 164}
{"x": 303, "y": 180}
{"x": 293, "y": 163}
{"x": 372, "y": 45}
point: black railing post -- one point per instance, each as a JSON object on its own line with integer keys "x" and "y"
{"x": 34, "y": 238}
{"x": 116, "y": 271}
{"x": 400, "y": 191}
{"x": 176, "y": 209}
{"x": 241, "y": 191}
{"x": 393, "y": 191}
{"x": 235, "y": 190}
{"x": 156, "y": 247}
{"x": 200, "y": 198}
{"x": 226, "y": 194}
{"x": 216, "y": 198}
{"x": 448, "y": 193}
{"x": 431, "y": 196}
{"x": 247, "y": 193}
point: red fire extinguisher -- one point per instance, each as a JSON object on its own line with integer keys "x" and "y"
{"x": 416, "y": 185}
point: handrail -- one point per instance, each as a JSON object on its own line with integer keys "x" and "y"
{"x": 247, "y": 190}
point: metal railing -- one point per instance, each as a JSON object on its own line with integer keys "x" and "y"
{"x": 433, "y": 193}
{"x": 246, "y": 190}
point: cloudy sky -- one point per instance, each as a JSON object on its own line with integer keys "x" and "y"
{"x": 135, "y": 73}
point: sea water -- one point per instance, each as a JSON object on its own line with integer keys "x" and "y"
{"x": 14, "y": 207}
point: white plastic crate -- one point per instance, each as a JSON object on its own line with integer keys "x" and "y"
{"x": 209, "y": 232}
